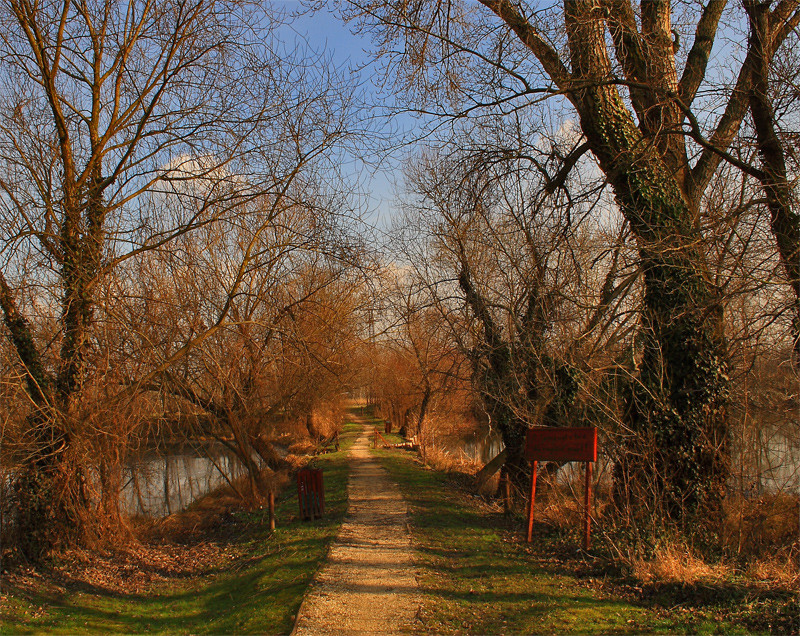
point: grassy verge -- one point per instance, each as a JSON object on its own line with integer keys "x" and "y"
{"x": 258, "y": 591}
{"x": 478, "y": 577}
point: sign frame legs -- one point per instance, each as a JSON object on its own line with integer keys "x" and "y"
{"x": 534, "y": 464}
{"x": 587, "y": 502}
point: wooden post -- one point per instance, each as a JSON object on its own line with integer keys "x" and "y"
{"x": 533, "y": 500}
{"x": 507, "y": 493}
{"x": 587, "y": 506}
{"x": 271, "y": 510}
{"x": 312, "y": 507}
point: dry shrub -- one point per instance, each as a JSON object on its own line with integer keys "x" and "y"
{"x": 782, "y": 570}
{"x": 296, "y": 462}
{"x": 559, "y": 498}
{"x": 206, "y": 513}
{"x": 444, "y": 461}
{"x": 759, "y": 527}
{"x": 203, "y": 515}
{"x": 676, "y": 563}
{"x": 329, "y": 417}
{"x": 760, "y": 536}
{"x": 303, "y": 447}
{"x": 559, "y": 508}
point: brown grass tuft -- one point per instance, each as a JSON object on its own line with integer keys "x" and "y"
{"x": 781, "y": 570}
{"x": 675, "y": 563}
{"x": 445, "y": 461}
{"x": 759, "y": 527}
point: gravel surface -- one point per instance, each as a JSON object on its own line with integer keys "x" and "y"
{"x": 367, "y": 585}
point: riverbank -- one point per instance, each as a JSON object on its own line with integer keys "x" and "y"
{"x": 237, "y": 577}
{"x": 474, "y": 574}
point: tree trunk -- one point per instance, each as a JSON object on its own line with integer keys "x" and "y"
{"x": 110, "y": 471}
{"x": 45, "y": 488}
{"x": 311, "y": 427}
{"x": 785, "y": 221}
{"x": 498, "y": 384}
{"x": 679, "y": 450}
{"x": 678, "y": 454}
{"x": 423, "y": 408}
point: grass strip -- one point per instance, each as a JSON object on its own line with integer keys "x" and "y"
{"x": 258, "y": 593}
{"x": 477, "y": 575}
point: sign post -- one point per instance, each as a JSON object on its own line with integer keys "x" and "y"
{"x": 533, "y": 498}
{"x": 271, "y": 508}
{"x": 568, "y": 445}
{"x": 587, "y": 506}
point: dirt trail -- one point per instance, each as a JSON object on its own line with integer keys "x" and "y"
{"x": 368, "y": 584}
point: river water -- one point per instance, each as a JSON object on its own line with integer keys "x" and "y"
{"x": 160, "y": 482}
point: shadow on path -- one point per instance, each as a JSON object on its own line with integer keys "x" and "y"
{"x": 367, "y": 585}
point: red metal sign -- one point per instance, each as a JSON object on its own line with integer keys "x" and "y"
{"x": 561, "y": 444}
{"x": 566, "y": 445}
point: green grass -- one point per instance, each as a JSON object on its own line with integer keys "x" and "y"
{"x": 392, "y": 438}
{"x": 478, "y": 576}
{"x": 258, "y": 594}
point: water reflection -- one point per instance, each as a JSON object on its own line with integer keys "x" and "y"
{"x": 477, "y": 447}
{"x": 773, "y": 467}
{"x": 161, "y": 482}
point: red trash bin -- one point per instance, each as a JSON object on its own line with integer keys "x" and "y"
{"x": 310, "y": 493}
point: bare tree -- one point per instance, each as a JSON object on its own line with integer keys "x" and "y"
{"x": 505, "y": 256}
{"x": 125, "y": 126}
{"x": 421, "y": 370}
{"x": 636, "y": 93}
{"x": 781, "y": 199}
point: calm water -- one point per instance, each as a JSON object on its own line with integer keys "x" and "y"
{"x": 159, "y": 483}
{"x": 774, "y": 467}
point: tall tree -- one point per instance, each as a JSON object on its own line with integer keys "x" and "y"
{"x": 781, "y": 200}
{"x": 496, "y": 234}
{"x": 124, "y": 125}
{"x": 621, "y": 69}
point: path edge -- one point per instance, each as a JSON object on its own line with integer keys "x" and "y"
{"x": 322, "y": 563}
{"x": 314, "y": 580}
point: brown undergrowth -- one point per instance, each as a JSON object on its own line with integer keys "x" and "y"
{"x": 186, "y": 544}
{"x": 444, "y": 461}
{"x": 128, "y": 569}
{"x": 192, "y": 542}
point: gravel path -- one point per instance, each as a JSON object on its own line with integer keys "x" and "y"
{"x": 368, "y": 584}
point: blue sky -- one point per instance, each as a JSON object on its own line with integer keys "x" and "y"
{"x": 325, "y": 31}
{"x": 324, "y": 27}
